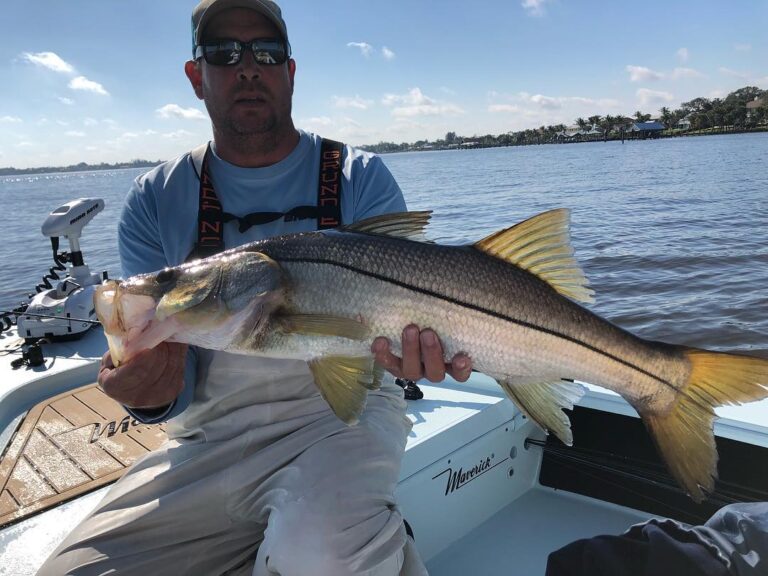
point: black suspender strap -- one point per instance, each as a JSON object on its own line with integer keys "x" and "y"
{"x": 211, "y": 216}
{"x": 329, "y": 185}
{"x": 210, "y": 224}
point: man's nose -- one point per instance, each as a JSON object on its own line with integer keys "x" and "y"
{"x": 249, "y": 68}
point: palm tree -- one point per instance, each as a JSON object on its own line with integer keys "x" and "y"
{"x": 607, "y": 125}
{"x": 666, "y": 117}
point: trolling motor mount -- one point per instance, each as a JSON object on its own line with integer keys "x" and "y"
{"x": 71, "y": 300}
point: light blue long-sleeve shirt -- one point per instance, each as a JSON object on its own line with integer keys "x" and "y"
{"x": 158, "y": 224}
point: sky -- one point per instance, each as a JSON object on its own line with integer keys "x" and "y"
{"x": 103, "y": 80}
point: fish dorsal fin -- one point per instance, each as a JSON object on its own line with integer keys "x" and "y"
{"x": 542, "y": 246}
{"x": 408, "y": 225}
{"x": 544, "y": 402}
{"x": 344, "y": 382}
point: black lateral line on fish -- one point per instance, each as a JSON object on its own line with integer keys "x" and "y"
{"x": 478, "y": 309}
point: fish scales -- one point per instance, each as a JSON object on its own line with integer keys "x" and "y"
{"x": 516, "y": 324}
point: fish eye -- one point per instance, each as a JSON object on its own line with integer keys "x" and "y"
{"x": 165, "y": 276}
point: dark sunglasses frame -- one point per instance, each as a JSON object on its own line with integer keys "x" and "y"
{"x": 229, "y": 52}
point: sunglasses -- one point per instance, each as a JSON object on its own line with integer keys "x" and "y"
{"x": 266, "y": 51}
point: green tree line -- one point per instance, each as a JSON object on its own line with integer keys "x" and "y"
{"x": 699, "y": 116}
{"x": 81, "y": 167}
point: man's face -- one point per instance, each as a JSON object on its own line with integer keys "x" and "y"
{"x": 245, "y": 99}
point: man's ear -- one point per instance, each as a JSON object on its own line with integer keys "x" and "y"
{"x": 291, "y": 72}
{"x": 195, "y": 75}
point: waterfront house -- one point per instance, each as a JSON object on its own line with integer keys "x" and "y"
{"x": 650, "y": 129}
{"x": 684, "y": 123}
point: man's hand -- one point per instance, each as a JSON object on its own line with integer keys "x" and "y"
{"x": 422, "y": 357}
{"x": 151, "y": 379}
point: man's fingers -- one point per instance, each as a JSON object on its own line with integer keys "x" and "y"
{"x": 152, "y": 378}
{"x": 384, "y": 358}
{"x": 460, "y": 368}
{"x": 432, "y": 355}
{"x": 411, "y": 353}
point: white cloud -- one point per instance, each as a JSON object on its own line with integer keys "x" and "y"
{"x": 177, "y": 135}
{"x": 317, "y": 123}
{"x": 387, "y": 53}
{"x": 683, "y": 55}
{"x": 503, "y": 108}
{"x": 733, "y": 73}
{"x": 82, "y": 83}
{"x": 559, "y": 102}
{"x": 647, "y": 97}
{"x": 176, "y": 111}
{"x": 128, "y": 137}
{"x": 643, "y": 74}
{"x": 48, "y": 60}
{"x": 352, "y": 102}
{"x": 742, "y": 47}
{"x": 416, "y": 103}
{"x": 10, "y": 120}
{"x": 365, "y": 48}
{"x": 534, "y": 7}
{"x": 686, "y": 73}
{"x": 65, "y": 100}
{"x": 75, "y": 133}
{"x": 90, "y": 122}
{"x": 546, "y": 102}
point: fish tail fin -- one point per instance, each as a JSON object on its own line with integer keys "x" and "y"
{"x": 684, "y": 434}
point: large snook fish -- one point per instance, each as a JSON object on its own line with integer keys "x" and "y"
{"x": 508, "y": 301}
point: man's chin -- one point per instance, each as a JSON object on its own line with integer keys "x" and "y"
{"x": 253, "y": 124}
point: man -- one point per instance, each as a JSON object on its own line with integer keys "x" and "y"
{"x": 259, "y": 476}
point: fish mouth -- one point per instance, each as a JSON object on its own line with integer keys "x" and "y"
{"x": 128, "y": 321}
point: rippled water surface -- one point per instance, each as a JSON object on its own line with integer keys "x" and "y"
{"x": 673, "y": 234}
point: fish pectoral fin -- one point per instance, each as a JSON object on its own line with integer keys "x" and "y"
{"x": 344, "y": 382}
{"x": 408, "y": 225}
{"x": 322, "y": 325}
{"x": 543, "y": 402}
{"x": 542, "y": 246}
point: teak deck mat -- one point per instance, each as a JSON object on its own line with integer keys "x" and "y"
{"x": 66, "y": 446}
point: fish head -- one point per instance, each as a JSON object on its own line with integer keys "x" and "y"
{"x": 210, "y": 302}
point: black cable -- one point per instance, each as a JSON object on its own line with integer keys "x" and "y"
{"x": 8, "y": 317}
{"x": 59, "y": 260}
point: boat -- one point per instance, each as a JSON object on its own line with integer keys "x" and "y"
{"x": 484, "y": 490}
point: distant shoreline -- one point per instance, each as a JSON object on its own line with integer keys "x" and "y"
{"x": 83, "y": 167}
{"x": 474, "y": 145}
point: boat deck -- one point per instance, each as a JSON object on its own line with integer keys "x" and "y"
{"x": 518, "y": 539}
{"x": 469, "y": 485}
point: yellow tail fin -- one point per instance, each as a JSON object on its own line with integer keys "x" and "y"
{"x": 684, "y": 434}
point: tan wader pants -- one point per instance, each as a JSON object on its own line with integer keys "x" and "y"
{"x": 258, "y": 477}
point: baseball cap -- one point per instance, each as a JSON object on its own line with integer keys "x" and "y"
{"x": 207, "y": 9}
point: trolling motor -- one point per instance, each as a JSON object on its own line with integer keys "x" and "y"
{"x": 65, "y": 311}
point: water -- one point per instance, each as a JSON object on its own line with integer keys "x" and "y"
{"x": 673, "y": 234}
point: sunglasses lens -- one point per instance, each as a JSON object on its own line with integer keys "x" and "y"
{"x": 269, "y": 52}
{"x": 228, "y": 52}
{"x": 222, "y": 53}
